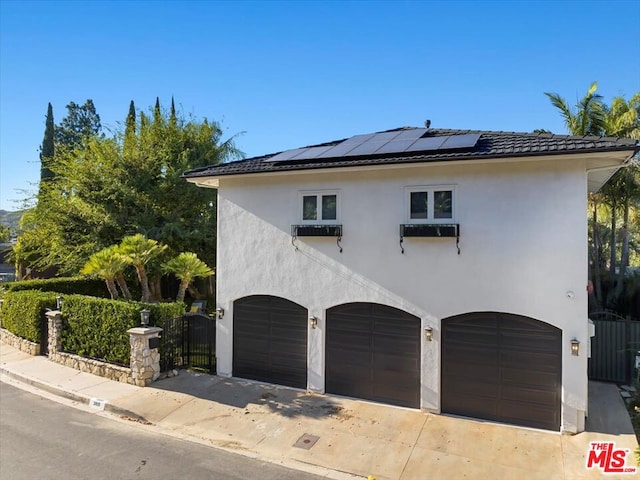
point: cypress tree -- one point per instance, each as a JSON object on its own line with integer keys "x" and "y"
{"x": 173, "y": 120}
{"x": 130, "y": 129}
{"x": 47, "y": 150}
{"x": 131, "y": 116}
{"x": 156, "y": 109}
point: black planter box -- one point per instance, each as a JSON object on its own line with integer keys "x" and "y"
{"x": 430, "y": 230}
{"x": 316, "y": 230}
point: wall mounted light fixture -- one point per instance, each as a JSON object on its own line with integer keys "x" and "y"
{"x": 313, "y": 321}
{"x": 58, "y": 303}
{"x": 428, "y": 333}
{"x": 220, "y": 312}
{"x": 575, "y": 347}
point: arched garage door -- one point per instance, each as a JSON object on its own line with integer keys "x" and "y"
{"x": 270, "y": 340}
{"x": 373, "y": 352}
{"x": 502, "y": 367}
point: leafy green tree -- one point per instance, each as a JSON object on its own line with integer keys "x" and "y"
{"x": 47, "y": 150}
{"x": 5, "y": 233}
{"x": 81, "y": 122}
{"x": 110, "y": 188}
{"x": 186, "y": 267}
{"x": 109, "y": 265}
{"x": 139, "y": 251}
{"x": 70, "y": 221}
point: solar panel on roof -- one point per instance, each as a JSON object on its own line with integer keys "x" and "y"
{"x": 414, "y": 134}
{"x": 286, "y": 155}
{"x": 395, "y": 146}
{"x": 346, "y": 146}
{"x": 373, "y": 144}
{"x": 367, "y": 148}
{"x": 460, "y": 141}
{"x": 338, "y": 150}
{"x": 310, "y": 153}
{"x": 384, "y": 136}
{"x": 426, "y": 144}
{"x": 397, "y": 141}
{"x": 358, "y": 139}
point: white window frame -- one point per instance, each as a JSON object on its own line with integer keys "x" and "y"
{"x": 430, "y": 190}
{"x": 318, "y": 194}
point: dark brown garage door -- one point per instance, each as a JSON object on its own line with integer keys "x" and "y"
{"x": 270, "y": 340}
{"x": 502, "y": 367}
{"x": 373, "y": 352}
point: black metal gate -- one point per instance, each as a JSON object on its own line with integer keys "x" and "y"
{"x": 614, "y": 347}
{"x": 189, "y": 342}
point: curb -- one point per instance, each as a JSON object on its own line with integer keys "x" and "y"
{"x": 75, "y": 397}
{"x": 47, "y": 387}
{"x": 293, "y": 464}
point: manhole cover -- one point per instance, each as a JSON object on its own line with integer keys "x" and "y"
{"x": 306, "y": 441}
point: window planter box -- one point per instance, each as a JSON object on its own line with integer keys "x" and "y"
{"x": 430, "y": 230}
{"x": 316, "y": 230}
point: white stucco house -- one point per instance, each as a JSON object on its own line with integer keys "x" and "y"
{"x": 437, "y": 269}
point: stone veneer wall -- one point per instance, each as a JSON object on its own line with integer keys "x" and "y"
{"x": 96, "y": 367}
{"x": 145, "y": 361}
{"x": 20, "y": 343}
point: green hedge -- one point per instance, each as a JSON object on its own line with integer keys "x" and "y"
{"x": 64, "y": 285}
{"x": 22, "y": 312}
{"x": 97, "y": 328}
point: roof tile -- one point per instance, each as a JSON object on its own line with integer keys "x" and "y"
{"x": 489, "y": 145}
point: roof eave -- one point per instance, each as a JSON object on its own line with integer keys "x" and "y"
{"x": 204, "y": 179}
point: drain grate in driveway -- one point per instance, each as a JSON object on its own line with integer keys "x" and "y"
{"x": 306, "y": 441}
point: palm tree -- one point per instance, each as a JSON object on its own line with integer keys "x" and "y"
{"x": 120, "y": 280}
{"x": 186, "y": 267}
{"x": 622, "y": 119}
{"x": 587, "y": 119}
{"x": 589, "y": 116}
{"x": 139, "y": 251}
{"x": 623, "y": 190}
{"x": 107, "y": 264}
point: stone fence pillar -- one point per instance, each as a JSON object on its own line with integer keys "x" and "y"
{"x": 54, "y": 325}
{"x": 145, "y": 358}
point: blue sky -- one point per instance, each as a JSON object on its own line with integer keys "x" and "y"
{"x": 289, "y": 74}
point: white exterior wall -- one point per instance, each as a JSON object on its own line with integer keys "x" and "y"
{"x": 523, "y": 248}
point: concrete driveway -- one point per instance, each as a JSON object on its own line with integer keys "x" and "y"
{"x": 339, "y": 437}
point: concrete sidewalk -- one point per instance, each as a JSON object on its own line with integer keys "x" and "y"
{"x": 336, "y": 437}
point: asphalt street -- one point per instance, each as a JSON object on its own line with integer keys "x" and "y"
{"x": 43, "y": 439}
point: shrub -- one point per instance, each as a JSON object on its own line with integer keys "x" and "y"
{"x": 97, "y": 327}
{"x": 160, "y": 312}
{"x": 64, "y": 285}
{"x": 23, "y": 311}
